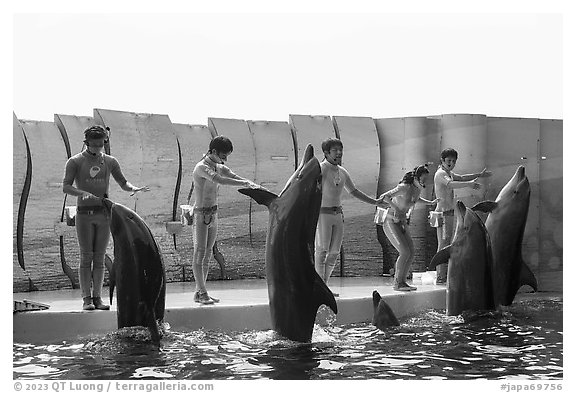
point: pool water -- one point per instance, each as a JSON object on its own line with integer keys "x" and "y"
{"x": 523, "y": 341}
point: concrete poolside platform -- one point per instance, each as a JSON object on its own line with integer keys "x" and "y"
{"x": 243, "y": 306}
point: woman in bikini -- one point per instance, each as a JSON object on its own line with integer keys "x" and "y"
{"x": 394, "y": 220}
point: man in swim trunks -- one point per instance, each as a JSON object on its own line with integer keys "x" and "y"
{"x": 442, "y": 218}
{"x": 208, "y": 174}
{"x": 90, "y": 170}
{"x": 330, "y": 229}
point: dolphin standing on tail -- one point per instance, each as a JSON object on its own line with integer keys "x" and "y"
{"x": 505, "y": 224}
{"x": 469, "y": 286}
{"x": 295, "y": 290}
{"x": 138, "y": 271}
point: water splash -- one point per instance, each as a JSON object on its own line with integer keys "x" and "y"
{"x": 524, "y": 340}
{"x": 150, "y": 372}
{"x": 37, "y": 371}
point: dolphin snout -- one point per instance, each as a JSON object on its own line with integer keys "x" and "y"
{"x": 308, "y": 154}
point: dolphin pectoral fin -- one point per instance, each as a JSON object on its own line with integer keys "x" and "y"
{"x": 527, "y": 277}
{"x": 484, "y": 206}
{"x": 441, "y": 257}
{"x": 260, "y": 195}
{"x": 323, "y": 295}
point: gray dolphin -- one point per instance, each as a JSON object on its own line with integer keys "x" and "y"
{"x": 469, "y": 286}
{"x": 505, "y": 224}
{"x": 138, "y": 271}
{"x": 295, "y": 290}
{"x": 383, "y": 315}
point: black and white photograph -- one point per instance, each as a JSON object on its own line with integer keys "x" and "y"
{"x": 205, "y": 194}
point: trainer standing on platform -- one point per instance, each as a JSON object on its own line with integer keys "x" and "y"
{"x": 330, "y": 230}
{"x": 208, "y": 174}
{"x": 90, "y": 171}
{"x": 442, "y": 218}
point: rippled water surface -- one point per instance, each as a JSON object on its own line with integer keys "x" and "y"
{"x": 523, "y": 341}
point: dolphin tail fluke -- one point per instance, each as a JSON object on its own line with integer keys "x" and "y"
{"x": 260, "y": 195}
{"x": 527, "y": 277}
{"x": 441, "y": 257}
{"x": 484, "y": 206}
{"x": 323, "y": 295}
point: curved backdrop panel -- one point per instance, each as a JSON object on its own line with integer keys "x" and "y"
{"x": 275, "y": 162}
{"x": 551, "y": 202}
{"x": 126, "y": 146}
{"x": 20, "y": 192}
{"x": 361, "y": 159}
{"x": 275, "y": 153}
{"x": 468, "y": 134}
{"x": 391, "y": 141}
{"x": 73, "y": 127}
{"x": 145, "y": 146}
{"x": 313, "y": 130}
{"x": 43, "y": 211}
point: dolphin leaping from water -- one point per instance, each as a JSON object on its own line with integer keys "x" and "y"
{"x": 469, "y": 286}
{"x": 295, "y": 290}
{"x": 505, "y": 224}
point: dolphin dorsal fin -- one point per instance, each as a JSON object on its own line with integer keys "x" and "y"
{"x": 376, "y": 299}
{"x": 485, "y": 206}
{"x": 261, "y": 195}
{"x": 323, "y": 295}
{"x": 441, "y": 257}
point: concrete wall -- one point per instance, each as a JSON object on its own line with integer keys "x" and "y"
{"x": 377, "y": 152}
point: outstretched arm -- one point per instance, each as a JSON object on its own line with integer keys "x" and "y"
{"x": 472, "y": 176}
{"x": 228, "y": 177}
{"x": 351, "y": 187}
{"x": 133, "y": 189}
{"x": 363, "y": 197}
{"x": 429, "y": 202}
{"x": 454, "y": 184}
{"x": 238, "y": 181}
